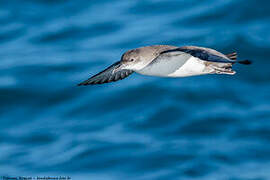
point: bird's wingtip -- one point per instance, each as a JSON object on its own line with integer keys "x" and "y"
{"x": 245, "y": 62}
{"x": 85, "y": 83}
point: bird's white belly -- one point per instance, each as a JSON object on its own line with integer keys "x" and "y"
{"x": 176, "y": 66}
{"x": 192, "y": 67}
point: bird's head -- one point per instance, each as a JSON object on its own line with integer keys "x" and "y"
{"x": 132, "y": 60}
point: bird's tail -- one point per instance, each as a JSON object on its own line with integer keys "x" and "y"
{"x": 233, "y": 56}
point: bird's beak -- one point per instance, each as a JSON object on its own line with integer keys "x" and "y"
{"x": 119, "y": 66}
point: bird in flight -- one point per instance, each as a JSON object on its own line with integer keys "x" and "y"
{"x": 167, "y": 61}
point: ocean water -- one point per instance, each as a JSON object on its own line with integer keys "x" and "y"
{"x": 206, "y": 127}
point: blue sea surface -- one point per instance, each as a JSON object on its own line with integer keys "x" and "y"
{"x": 212, "y": 127}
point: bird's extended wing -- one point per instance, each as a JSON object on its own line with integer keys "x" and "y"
{"x": 108, "y": 75}
{"x": 205, "y": 54}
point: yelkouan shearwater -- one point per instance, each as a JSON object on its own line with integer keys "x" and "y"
{"x": 167, "y": 61}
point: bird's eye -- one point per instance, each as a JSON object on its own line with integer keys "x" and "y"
{"x": 131, "y": 60}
